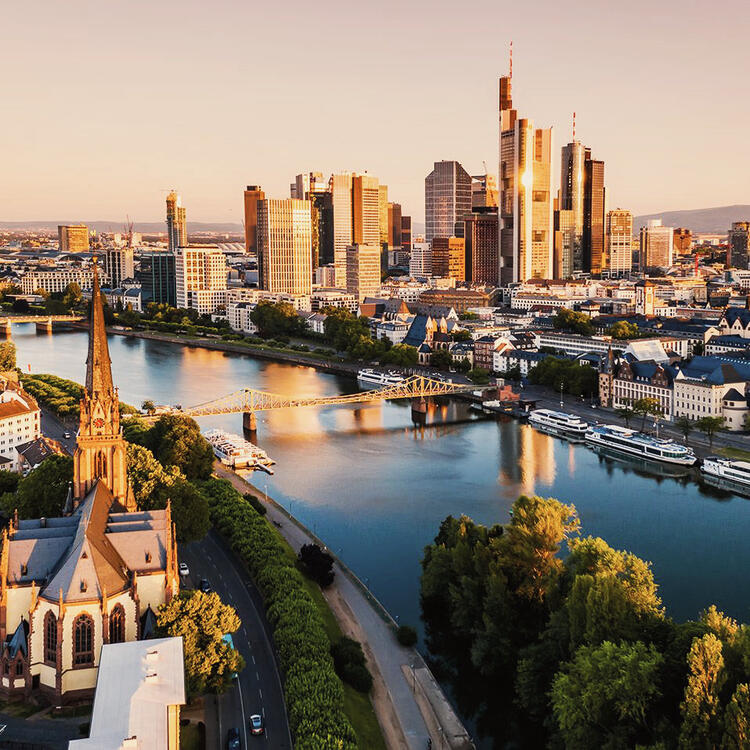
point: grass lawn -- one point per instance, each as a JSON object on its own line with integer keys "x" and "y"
{"x": 19, "y": 709}
{"x": 190, "y": 738}
{"x": 735, "y": 453}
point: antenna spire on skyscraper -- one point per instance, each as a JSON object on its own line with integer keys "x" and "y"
{"x": 574, "y": 125}
{"x": 510, "y": 71}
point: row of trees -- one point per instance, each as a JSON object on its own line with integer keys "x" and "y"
{"x": 314, "y": 692}
{"x": 576, "y": 653}
{"x": 565, "y": 374}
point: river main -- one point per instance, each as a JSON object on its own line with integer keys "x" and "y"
{"x": 375, "y": 487}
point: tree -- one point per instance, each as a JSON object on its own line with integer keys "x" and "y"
{"x": 603, "y": 697}
{"x": 463, "y": 365}
{"x": 317, "y": 564}
{"x": 737, "y": 720}
{"x": 645, "y": 407}
{"x": 699, "y": 348}
{"x": 402, "y": 355}
{"x": 8, "y": 481}
{"x": 7, "y": 356}
{"x": 202, "y": 620}
{"x": 576, "y": 322}
{"x": 147, "y": 476}
{"x": 148, "y": 406}
{"x": 701, "y": 714}
{"x": 461, "y": 335}
{"x": 627, "y": 413}
{"x": 350, "y": 665}
{"x": 441, "y": 359}
{"x": 710, "y": 425}
{"x": 277, "y": 319}
{"x": 479, "y": 375}
{"x": 176, "y": 440}
{"x": 622, "y": 329}
{"x": 72, "y": 295}
{"x": 43, "y": 491}
{"x": 189, "y": 509}
{"x": 685, "y": 426}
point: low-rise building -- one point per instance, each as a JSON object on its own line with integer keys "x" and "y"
{"x": 20, "y": 423}
{"x": 393, "y": 330}
{"x": 459, "y": 299}
{"x": 322, "y": 298}
{"x": 238, "y": 315}
{"x": 54, "y": 281}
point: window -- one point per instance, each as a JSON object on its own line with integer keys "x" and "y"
{"x": 19, "y": 668}
{"x": 50, "y": 638}
{"x": 83, "y": 641}
{"x": 117, "y": 625}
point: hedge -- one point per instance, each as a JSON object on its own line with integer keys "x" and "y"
{"x": 313, "y": 691}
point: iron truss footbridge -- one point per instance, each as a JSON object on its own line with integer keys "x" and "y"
{"x": 248, "y": 401}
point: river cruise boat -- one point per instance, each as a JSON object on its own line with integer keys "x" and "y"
{"x": 727, "y": 469}
{"x": 379, "y": 379}
{"x": 558, "y": 421}
{"x": 237, "y": 453}
{"x": 637, "y": 444}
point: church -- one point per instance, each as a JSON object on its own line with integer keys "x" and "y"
{"x": 95, "y": 575}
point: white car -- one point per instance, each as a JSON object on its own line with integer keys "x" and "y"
{"x": 184, "y": 570}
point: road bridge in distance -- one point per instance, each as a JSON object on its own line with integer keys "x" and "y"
{"x": 43, "y": 322}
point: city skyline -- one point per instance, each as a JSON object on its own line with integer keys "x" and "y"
{"x": 248, "y": 108}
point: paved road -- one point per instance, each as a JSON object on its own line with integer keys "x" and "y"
{"x": 258, "y": 687}
{"x": 54, "y": 428}
{"x": 52, "y": 733}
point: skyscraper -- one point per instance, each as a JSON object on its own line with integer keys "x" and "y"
{"x": 73, "y": 238}
{"x": 394, "y": 225}
{"x": 447, "y": 197}
{"x": 119, "y": 265}
{"x": 449, "y": 258}
{"x": 157, "y": 275}
{"x": 565, "y": 243}
{"x": 656, "y": 243}
{"x": 420, "y": 261}
{"x": 363, "y": 270}
{"x": 739, "y": 245}
{"x": 593, "y": 214}
{"x": 481, "y": 236}
{"x": 383, "y": 214}
{"x": 406, "y": 233}
{"x": 573, "y": 156}
{"x": 176, "y": 222}
{"x": 619, "y": 241}
{"x": 483, "y": 191}
{"x": 253, "y": 194}
{"x": 285, "y": 246}
{"x": 340, "y": 186}
{"x": 524, "y": 194}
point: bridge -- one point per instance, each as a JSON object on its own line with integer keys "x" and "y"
{"x": 248, "y": 401}
{"x": 43, "y": 322}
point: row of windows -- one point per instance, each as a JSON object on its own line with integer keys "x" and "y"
{"x": 83, "y": 636}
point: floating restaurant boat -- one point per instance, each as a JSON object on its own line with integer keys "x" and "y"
{"x": 371, "y": 377}
{"x": 236, "y": 452}
{"x": 558, "y": 421}
{"x": 635, "y": 443}
{"x": 737, "y": 472}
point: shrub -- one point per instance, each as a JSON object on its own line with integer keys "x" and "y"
{"x": 406, "y": 635}
{"x": 349, "y": 662}
{"x": 317, "y": 564}
{"x": 257, "y": 504}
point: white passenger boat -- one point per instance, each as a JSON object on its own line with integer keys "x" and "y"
{"x": 727, "y": 469}
{"x": 558, "y": 421}
{"x": 371, "y": 377}
{"x": 634, "y": 443}
{"x": 238, "y": 453}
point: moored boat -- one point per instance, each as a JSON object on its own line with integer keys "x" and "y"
{"x": 727, "y": 469}
{"x": 558, "y": 421}
{"x": 371, "y": 377}
{"x": 236, "y": 452}
{"x": 635, "y": 443}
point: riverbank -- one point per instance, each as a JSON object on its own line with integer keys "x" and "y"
{"x": 409, "y": 710}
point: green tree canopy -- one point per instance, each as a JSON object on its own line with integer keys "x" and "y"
{"x": 710, "y": 425}
{"x": 202, "y": 620}
{"x": 623, "y": 330}
{"x": 277, "y": 319}
{"x": 176, "y": 440}
{"x": 43, "y": 491}
{"x": 576, "y": 322}
{"x": 401, "y": 355}
{"x": 441, "y": 359}
{"x": 7, "y": 356}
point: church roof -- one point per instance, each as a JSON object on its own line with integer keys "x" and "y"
{"x": 19, "y": 640}
{"x": 98, "y": 363}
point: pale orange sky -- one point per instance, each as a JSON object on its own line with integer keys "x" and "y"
{"x": 105, "y": 105}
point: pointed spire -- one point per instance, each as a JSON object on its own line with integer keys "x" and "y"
{"x": 98, "y": 363}
{"x": 69, "y": 503}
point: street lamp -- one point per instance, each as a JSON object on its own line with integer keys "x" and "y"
{"x": 561, "y": 393}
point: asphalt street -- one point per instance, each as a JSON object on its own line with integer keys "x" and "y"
{"x": 257, "y": 690}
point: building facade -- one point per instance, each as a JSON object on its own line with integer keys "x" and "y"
{"x": 619, "y": 241}
{"x": 447, "y": 196}
{"x": 656, "y": 245}
{"x": 157, "y": 275}
{"x": 420, "y": 260}
{"x": 482, "y": 257}
{"x": 252, "y": 195}
{"x": 119, "y": 264}
{"x": 593, "y": 214}
{"x": 363, "y": 270}
{"x": 176, "y": 223}
{"x": 449, "y": 258}
{"x": 739, "y": 245}
{"x": 201, "y": 278}
{"x": 73, "y": 238}
{"x": 56, "y": 280}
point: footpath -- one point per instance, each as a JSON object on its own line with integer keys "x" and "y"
{"x": 409, "y": 704}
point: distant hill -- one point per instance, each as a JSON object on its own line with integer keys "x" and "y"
{"x": 145, "y": 227}
{"x": 716, "y": 220}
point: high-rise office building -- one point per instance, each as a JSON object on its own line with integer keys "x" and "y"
{"x": 483, "y": 191}
{"x": 619, "y": 241}
{"x": 449, "y": 258}
{"x": 366, "y": 213}
{"x": 683, "y": 241}
{"x": 481, "y": 237}
{"x": 156, "y": 272}
{"x": 394, "y": 225}
{"x": 363, "y": 270}
{"x": 176, "y": 222}
{"x": 593, "y": 214}
{"x": 119, "y": 265}
{"x": 656, "y": 245}
{"x": 340, "y": 186}
{"x": 253, "y": 194}
{"x": 573, "y": 156}
{"x": 447, "y": 198}
{"x": 420, "y": 260}
{"x": 383, "y": 214}
{"x": 201, "y": 278}
{"x": 739, "y": 245}
{"x": 524, "y": 194}
{"x": 567, "y": 240}
{"x": 73, "y": 238}
{"x": 306, "y": 183}
{"x": 285, "y": 246}
{"x": 406, "y": 233}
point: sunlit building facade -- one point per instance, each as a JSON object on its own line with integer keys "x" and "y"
{"x": 252, "y": 195}
{"x": 449, "y": 258}
{"x": 620, "y": 241}
{"x": 201, "y": 278}
{"x": 363, "y": 270}
{"x": 447, "y": 198}
{"x": 656, "y": 245}
{"x": 176, "y": 222}
{"x": 73, "y": 238}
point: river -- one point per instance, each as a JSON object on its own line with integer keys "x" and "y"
{"x": 375, "y": 487}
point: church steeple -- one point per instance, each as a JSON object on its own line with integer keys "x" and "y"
{"x": 98, "y": 363}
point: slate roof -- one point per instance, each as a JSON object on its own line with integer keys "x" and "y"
{"x": 35, "y": 451}
{"x": 417, "y": 332}
{"x": 734, "y": 395}
{"x": 737, "y": 313}
{"x": 19, "y": 641}
{"x": 714, "y": 371}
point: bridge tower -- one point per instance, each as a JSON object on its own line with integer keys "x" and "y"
{"x": 8, "y": 328}
{"x": 249, "y": 422}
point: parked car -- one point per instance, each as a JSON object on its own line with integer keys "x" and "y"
{"x": 205, "y": 586}
{"x": 66, "y": 435}
{"x": 256, "y": 724}
{"x": 184, "y": 570}
{"x": 233, "y": 739}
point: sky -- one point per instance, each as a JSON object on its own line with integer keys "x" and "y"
{"x": 106, "y": 106}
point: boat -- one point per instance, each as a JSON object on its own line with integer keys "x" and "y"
{"x": 737, "y": 472}
{"x": 371, "y": 377}
{"x": 558, "y": 421}
{"x": 634, "y": 443}
{"x": 237, "y": 453}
